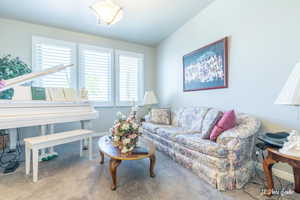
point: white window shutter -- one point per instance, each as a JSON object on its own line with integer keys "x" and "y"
{"x": 96, "y": 73}
{"x": 111, "y": 79}
{"x": 50, "y": 53}
{"x": 129, "y": 78}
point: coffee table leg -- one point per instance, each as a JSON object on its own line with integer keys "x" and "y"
{"x": 152, "y": 164}
{"x": 267, "y": 165}
{"x": 113, "y": 164}
{"x": 101, "y": 157}
{"x": 297, "y": 179}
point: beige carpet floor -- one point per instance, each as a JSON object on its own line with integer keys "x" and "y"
{"x": 70, "y": 177}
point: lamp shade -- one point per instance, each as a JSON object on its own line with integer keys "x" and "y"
{"x": 150, "y": 98}
{"x": 290, "y": 93}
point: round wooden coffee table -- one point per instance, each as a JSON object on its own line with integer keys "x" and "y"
{"x": 106, "y": 148}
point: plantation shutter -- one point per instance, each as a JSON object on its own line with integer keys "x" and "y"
{"x": 96, "y": 73}
{"x": 49, "y": 53}
{"x": 129, "y": 78}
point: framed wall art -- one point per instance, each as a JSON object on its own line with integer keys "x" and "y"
{"x": 207, "y": 67}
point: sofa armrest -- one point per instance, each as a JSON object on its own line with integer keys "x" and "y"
{"x": 246, "y": 127}
{"x": 240, "y": 142}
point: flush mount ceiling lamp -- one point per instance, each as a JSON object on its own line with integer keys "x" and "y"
{"x": 107, "y": 12}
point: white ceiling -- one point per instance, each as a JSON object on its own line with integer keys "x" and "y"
{"x": 145, "y": 21}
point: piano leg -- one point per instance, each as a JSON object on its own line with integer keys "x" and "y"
{"x": 27, "y": 159}
{"x": 43, "y": 131}
{"x": 86, "y": 124}
{"x": 90, "y": 147}
{"x": 12, "y": 139}
{"x": 52, "y": 153}
{"x": 35, "y": 164}
{"x": 81, "y": 148}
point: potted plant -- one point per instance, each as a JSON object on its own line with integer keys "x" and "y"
{"x": 11, "y": 68}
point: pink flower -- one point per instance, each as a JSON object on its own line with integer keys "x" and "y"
{"x": 2, "y": 84}
{"x": 132, "y": 136}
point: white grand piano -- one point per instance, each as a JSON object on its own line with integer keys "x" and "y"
{"x": 45, "y": 114}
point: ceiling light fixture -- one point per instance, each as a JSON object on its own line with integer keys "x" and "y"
{"x": 107, "y": 12}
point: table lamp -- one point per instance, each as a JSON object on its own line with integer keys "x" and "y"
{"x": 290, "y": 95}
{"x": 141, "y": 111}
{"x": 150, "y": 98}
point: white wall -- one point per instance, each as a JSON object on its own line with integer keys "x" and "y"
{"x": 263, "y": 48}
{"x": 15, "y": 39}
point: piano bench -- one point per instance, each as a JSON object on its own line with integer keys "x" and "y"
{"x": 34, "y": 144}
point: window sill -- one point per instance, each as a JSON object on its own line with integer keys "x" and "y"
{"x": 113, "y": 106}
{"x": 99, "y": 106}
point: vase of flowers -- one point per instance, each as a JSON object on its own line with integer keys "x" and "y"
{"x": 125, "y": 133}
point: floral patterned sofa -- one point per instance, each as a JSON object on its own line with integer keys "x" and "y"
{"x": 226, "y": 164}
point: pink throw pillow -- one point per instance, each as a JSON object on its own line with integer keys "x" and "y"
{"x": 226, "y": 122}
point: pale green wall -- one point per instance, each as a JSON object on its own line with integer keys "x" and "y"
{"x": 15, "y": 38}
{"x": 263, "y": 48}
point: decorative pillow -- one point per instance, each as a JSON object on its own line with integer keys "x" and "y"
{"x": 160, "y": 116}
{"x": 209, "y": 121}
{"x": 226, "y": 122}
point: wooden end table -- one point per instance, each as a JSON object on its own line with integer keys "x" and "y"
{"x": 273, "y": 157}
{"x": 106, "y": 148}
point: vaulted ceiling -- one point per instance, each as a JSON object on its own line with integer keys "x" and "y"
{"x": 145, "y": 21}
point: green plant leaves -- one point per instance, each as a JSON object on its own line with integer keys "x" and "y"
{"x": 11, "y": 68}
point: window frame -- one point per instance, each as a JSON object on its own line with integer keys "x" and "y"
{"x": 81, "y": 81}
{"x": 37, "y": 39}
{"x": 141, "y": 78}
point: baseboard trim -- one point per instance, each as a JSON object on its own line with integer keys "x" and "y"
{"x": 279, "y": 173}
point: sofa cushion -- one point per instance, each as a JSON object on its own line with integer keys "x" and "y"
{"x": 209, "y": 121}
{"x": 176, "y": 116}
{"x": 161, "y": 116}
{"x": 194, "y": 142}
{"x": 171, "y": 132}
{"x": 153, "y": 127}
{"x": 190, "y": 118}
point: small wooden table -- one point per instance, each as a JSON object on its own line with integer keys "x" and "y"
{"x": 273, "y": 157}
{"x": 106, "y": 148}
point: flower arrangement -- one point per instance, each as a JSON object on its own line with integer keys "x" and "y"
{"x": 125, "y": 133}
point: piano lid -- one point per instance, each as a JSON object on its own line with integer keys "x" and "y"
{"x": 8, "y": 84}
